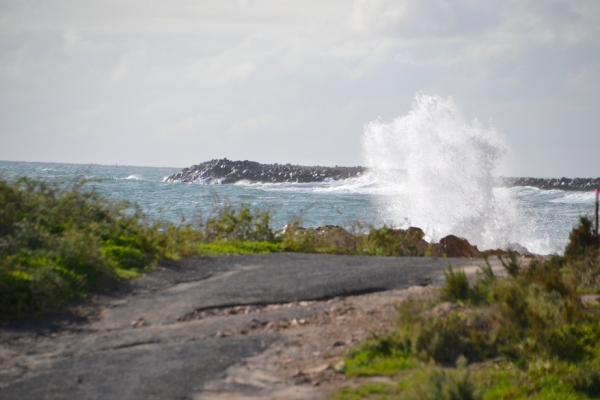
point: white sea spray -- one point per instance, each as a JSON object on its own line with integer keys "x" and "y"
{"x": 436, "y": 171}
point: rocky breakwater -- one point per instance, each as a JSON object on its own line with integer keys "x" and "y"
{"x": 572, "y": 184}
{"x": 227, "y": 171}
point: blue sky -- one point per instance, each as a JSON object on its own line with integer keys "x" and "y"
{"x": 174, "y": 83}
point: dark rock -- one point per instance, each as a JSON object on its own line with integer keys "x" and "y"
{"x": 226, "y": 171}
{"x": 567, "y": 184}
{"x": 453, "y": 246}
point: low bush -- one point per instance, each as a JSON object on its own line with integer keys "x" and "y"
{"x": 58, "y": 243}
{"x": 457, "y": 286}
{"x": 441, "y": 384}
{"x": 239, "y": 224}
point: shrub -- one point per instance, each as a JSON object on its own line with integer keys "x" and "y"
{"x": 457, "y": 286}
{"x": 512, "y": 267}
{"x": 582, "y": 239}
{"x": 59, "y": 242}
{"x": 241, "y": 224}
{"x": 387, "y": 242}
{"x": 298, "y": 239}
{"x": 446, "y": 385}
{"x": 445, "y": 338}
{"x": 586, "y": 380}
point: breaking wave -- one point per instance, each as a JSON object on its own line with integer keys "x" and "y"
{"x": 436, "y": 171}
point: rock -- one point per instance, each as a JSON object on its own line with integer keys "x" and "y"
{"x": 453, "y": 246}
{"x": 568, "y": 184}
{"x": 334, "y": 235}
{"x": 226, "y": 171}
{"x": 519, "y": 249}
{"x": 415, "y": 236}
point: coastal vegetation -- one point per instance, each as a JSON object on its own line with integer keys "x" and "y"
{"x": 532, "y": 334}
{"x": 60, "y": 242}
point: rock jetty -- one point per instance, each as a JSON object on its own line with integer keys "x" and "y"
{"x": 570, "y": 184}
{"x": 227, "y": 171}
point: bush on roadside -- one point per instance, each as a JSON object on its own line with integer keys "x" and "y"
{"x": 457, "y": 286}
{"x": 440, "y": 384}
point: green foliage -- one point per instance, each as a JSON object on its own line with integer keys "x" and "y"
{"x": 384, "y": 241}
{"x": 298, "y": 239}
{"x": 57, "y": 243}
{"x": 389, "y": 242}
{"x": 381, "y": 355}
{"x": 369, "y": 391}
{"x": 233, "y": 247}
{"x": 512, "y": 267}
{"x": 533, "y": 324}
{"x": 582, "y": 239}
{"x": 447, "y": 385}
{"x": 445, "y": 338}
{"x": 241, "y": 224}
{"x": 456, "y": 287}
{"x": 586, "y": 379}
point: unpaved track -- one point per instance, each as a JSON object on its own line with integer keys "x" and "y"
{"x": 247, "y": 327}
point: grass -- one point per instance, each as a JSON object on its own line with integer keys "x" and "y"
{"x": 236, "y": 247}
{"x": 526, "y": 336}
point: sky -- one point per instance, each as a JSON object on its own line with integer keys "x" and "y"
{"x": 176, "y": 83}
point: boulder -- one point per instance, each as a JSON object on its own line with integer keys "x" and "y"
{"x": 453, "y": 246}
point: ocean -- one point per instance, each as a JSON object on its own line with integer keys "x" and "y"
{"x": 539, "y": 220}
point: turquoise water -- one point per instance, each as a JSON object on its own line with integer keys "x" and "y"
{"x": 544, "y": 217}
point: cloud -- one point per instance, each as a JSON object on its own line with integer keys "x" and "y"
{"x": 302, "y": 72}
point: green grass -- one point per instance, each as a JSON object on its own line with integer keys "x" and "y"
{"x": 527, "y": 336}
{"x": 233, "y": 247}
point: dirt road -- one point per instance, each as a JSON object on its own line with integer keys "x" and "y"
{"x": 232, "y": 327}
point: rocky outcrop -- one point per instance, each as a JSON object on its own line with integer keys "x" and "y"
{"x": 227, "y": 171}
{"x": 572, "y": 184}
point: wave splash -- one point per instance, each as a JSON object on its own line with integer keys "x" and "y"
{"x": 435, "y": 172}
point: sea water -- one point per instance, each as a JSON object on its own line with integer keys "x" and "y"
{"x": 428, "y": 168}
{"x": 548, "y": 215}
